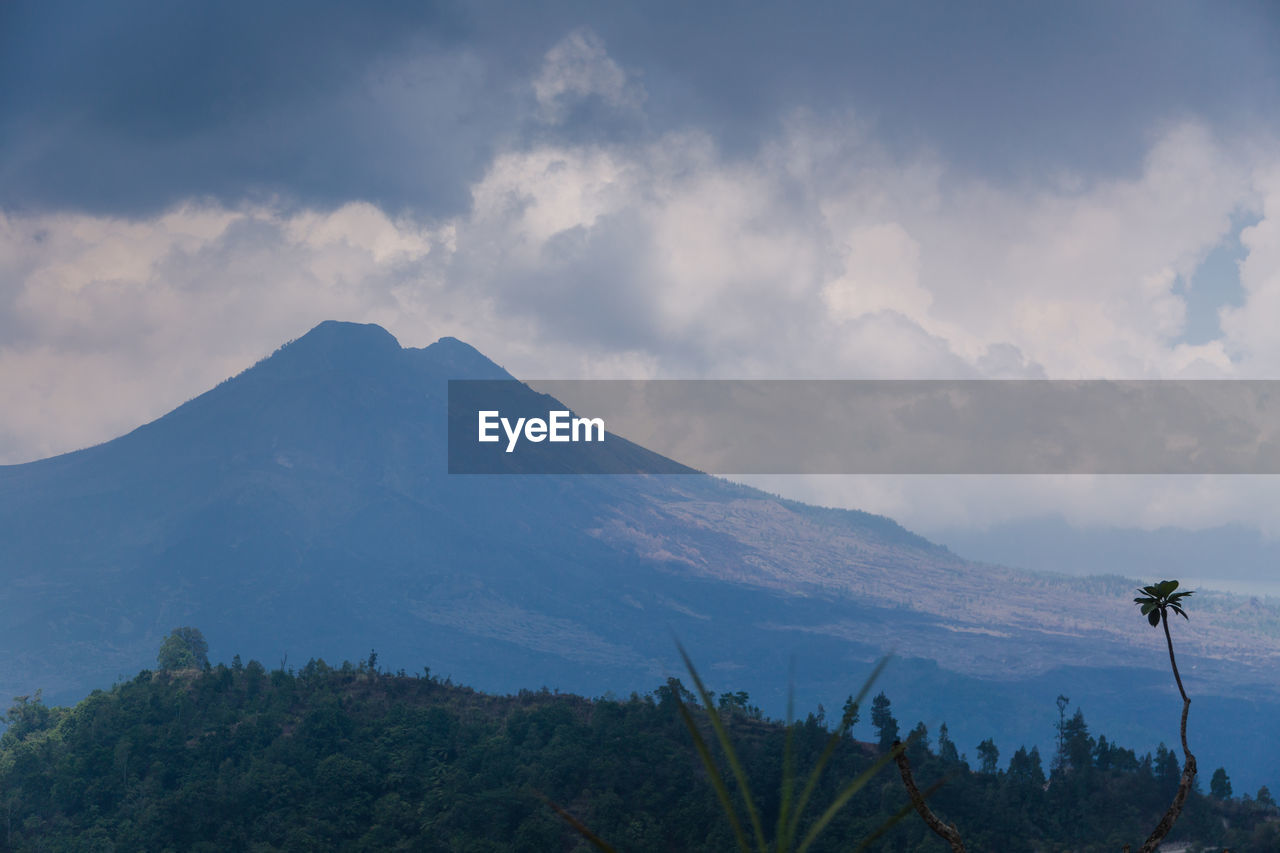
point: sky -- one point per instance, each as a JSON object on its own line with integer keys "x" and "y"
{"x": 642, "y": 190}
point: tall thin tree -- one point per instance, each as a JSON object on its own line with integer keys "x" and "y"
{"x": 1156, "y": 601}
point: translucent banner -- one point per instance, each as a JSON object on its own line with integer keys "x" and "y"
{"x": 864, "y": 427}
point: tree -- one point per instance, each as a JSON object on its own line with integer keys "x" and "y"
{"x": 1165, "y": 767}
{"x": 1060, "y": 758}
{"x": 184, "y": 648}
{"x": 27, "y": 714}
{"x": 918, "y": 744}
{"x": 1102, "y": 754}
{"x": 947, "y": 747}
{"x": 882, "y": 718}
{"x": 738, "y": 704}
{"x": 1220, "y": 785}
{"x": 850, "y": 716}
{"x": 1155, "y": 602}
{"x": 989, "y": 756}
{"x": 1077, "y": 746}
{"x": 792, "y": 806}
{"x": 1265, "y": 798}
{"x": 1025, "y": 768}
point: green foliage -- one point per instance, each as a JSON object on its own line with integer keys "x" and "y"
{"x": 1077, "y": 746}
{"x": 1156, "y": 600}
{"x": 1220, "y": 785}
{"x": 947, "y": 751}
{"x": 850, "y": 714}
{"x": 883, "y": 720}
{"x": 26, "y": 715}
{"x": 1025, "y": 769}
{"x": 336, "y": 758}
{"x": 988, "y": 756}
{"x": 791, "y": 807}
{"x": 738, "y": 703}
{"x": 184, "y": 648}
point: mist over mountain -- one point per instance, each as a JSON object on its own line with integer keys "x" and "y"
{"x": 304, "y": 507}
{"x": 1240, "y": 557}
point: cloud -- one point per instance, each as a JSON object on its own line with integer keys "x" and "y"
{"x": 133, "y": 109}
{"x": 791, "y": 262}
{"x": 578, "y": 67}
{"x": 110, "y": 322}
{"x": 881, "y": 273}
{"x": 822, "y": 252}
{"x": 823, "y": 256}
{"x": 1249, "y": 329}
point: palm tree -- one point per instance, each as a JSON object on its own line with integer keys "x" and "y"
{"x": 1156, "y": 601}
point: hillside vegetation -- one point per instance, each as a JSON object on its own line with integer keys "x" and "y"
{"x": 349, "y": 758}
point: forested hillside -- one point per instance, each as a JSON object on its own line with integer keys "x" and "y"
{"x": 241, "y": 758}
{"x": 304, "y": 506}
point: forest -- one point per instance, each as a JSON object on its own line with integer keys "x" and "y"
{"x": 205, "y": 757}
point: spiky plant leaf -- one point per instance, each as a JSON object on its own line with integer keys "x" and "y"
{"x": 846, "y": 793}
{"x": 731, "y": 755}
{"x": 713, "y": 772}
{"x": 894, "y": 818}
{"x": 788, "y": 833}
{"x": 595, "y": 840}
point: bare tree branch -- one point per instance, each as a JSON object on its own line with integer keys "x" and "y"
{"x": 947, "y": 832}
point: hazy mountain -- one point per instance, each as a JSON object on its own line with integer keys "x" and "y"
{"x": 1241, "y": 558}
{"x": 305, "y": 506}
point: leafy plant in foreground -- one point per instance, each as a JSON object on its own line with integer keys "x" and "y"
{"x": 793, "y": 804}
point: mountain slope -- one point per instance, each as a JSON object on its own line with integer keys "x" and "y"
{"x": 304, "y": 504}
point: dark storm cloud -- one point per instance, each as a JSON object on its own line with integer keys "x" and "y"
{"x": 132, "y": 106}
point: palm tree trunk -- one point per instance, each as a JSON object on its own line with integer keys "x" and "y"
{"x": 946, "y": 831}
{"x": 1188, "y": 768}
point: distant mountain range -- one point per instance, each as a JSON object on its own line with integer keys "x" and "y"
{"x": 305, "y": 505}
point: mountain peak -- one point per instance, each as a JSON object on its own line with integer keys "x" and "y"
{"x": 331, "y": 345}
{"x": 343, "y": 340}
{"x": 461, "y": 360}
{"x": 341, "y": 345}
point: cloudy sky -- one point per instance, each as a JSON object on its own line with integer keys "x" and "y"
{"x": 729, "y": 190}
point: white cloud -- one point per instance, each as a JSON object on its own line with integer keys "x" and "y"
{"x": 817, "y": 258}
{"x": 823, "y": 255}
{"x": 113, "y": 322}
{"x": 530, "y": 197}
{"x": 1250, "y": 329}
{"x": 579, "y": 67}
{"x": 881, "y": 273}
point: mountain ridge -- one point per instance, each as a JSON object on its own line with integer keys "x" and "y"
{"x": 304, "y": 503}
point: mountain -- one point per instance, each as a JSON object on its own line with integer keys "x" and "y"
{"x": 1241, "y": 558}
{"x": 305, "y": 505}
